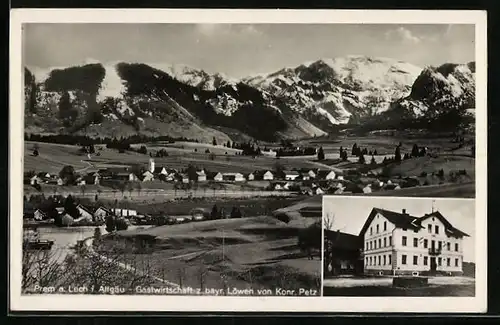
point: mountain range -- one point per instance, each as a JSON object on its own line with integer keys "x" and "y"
{"x": 313, "y": 99}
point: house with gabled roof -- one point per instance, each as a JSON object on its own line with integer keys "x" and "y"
{"x": 399, "y": 243}
{"x": 39, "y": 215}
{"x": 291, "y": 175}
{"x": 342, "y": 253}
{"x": 101, "y": 213}
{"x": 85, "y": 212}
{"x": 160, "y": 171}
{"x": 201, "y": 176}
{"x": 147, "y": 176}
{"x": 326, "y": 174}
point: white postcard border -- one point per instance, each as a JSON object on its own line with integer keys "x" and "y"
{"x": 243, "y": 304}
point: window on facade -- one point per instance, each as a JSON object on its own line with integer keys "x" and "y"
{"x": 439, "y": 261}
{"x": 370, "y": 244}
{"x": 456, "y": 247}
{"x": 389, "y": 256}
{"x": 377, "y": 229}
{"x": 379, "y": 260}
{"x": 385, "y": 225}
{"x": 390, "y": 240}
{"x": 448, "y": 261}
{"x": 415, "y": 242}
{"x": 404, "y": 229}
{"x": 385, "y": 242}
{"x": 425, "y": 260}
{"x": 426, "y": 243}
{"x": 403, "y": 259}
{"x": 374, "y": 244}
{"x": 371, "y": 231}
{"x": 369, "y": 260}
{"x": 429, "y": 227}
{"x": 403, "y": 240}
{"x": 415, "y": 259}
{"x": 379, "y": 243}
{"x": 366, "y": 261}
{"x": 440, "y": 245}
{"x": 436, "y": 229}
{"x": 456, "y": 262}
{"x": 448, "y": 246}
{"x": 367, "y": 245}
{"x": 385, "y": 260}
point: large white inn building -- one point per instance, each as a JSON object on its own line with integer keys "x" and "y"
{"x": 398, "y": 243}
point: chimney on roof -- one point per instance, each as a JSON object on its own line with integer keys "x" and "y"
{"x": 404, "y": 211}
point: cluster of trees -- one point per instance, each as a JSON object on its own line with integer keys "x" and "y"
{"x": 160, "y": 153}
{"x": 122, "y": 145}
{"x": 289, "y": 151}
{"x": 113, "y": 223}
{"x": 219, "y": 213}
{"x": 247, "y": 148}
{"x": 87, "y": 149}
{"x": 84, "y": 140}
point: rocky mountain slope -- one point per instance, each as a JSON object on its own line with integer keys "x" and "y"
{"x": 119, "y": 99}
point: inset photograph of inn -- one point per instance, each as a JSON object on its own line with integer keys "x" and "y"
{"x": 398, "y": 246}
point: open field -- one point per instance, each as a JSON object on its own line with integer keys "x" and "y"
{"x": 52, "y": 157}
{"x": 247, "y": 253}
{"x": 385, "y": 145}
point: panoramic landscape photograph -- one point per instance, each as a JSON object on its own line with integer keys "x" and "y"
{"x": 192, "y": 159}
{"x": 378, "y": 246}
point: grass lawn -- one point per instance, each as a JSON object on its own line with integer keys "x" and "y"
{"x": 256, "y": 252}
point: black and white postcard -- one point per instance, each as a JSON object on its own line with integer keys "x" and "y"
{"x": 183, "y": 159}
{"x": 380, "y": 246}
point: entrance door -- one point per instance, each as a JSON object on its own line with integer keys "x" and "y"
{"x": 433, "y": 264}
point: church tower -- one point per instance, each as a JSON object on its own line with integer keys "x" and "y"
{"x": 151, "y": 165}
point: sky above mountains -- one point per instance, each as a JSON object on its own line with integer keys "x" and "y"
{"x": 243, "y": 50}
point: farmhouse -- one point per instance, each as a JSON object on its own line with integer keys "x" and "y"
{"x": 200, "y": 214}
{"x": 311, "y": 174}
{"x": 35, "y": 180}
{"x": 267, "y": 176}
{"x": 319, "y": 191}
{"x": 201, "y": 176}
{"x": 125, "y": 176}
{"x": 39, "y": 215}
{"x": 160, "y": 171}
{"x": 251, "y": 177}
{"x": 342, "y": 253}
{"x": 93, "y": 178}
{"x": 291, "y": 175}
{"x": 398, "y": 243}
{"x": 305, "y": 176}
{"x": 233, "y": 177}
{"x": 148, "y": 176}
{"x": 85, "y": 213}
{"x": 218, "y": 177}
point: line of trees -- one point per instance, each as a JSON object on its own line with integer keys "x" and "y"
{"x": 84, "y": 140}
